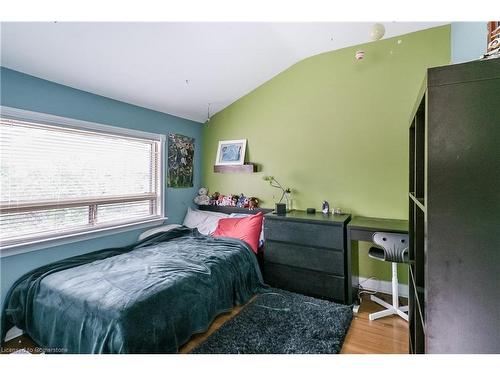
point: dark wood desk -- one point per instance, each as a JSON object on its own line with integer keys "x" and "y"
{"x": 361, "y": 229}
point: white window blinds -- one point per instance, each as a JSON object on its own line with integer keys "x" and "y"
{"x": 58, "y": 180}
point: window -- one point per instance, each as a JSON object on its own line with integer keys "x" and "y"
{"x": 64, "y": 176}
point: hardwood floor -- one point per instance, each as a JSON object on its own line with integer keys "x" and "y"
{"x": 383, "y": 336}
{"x": 387, "y": 335}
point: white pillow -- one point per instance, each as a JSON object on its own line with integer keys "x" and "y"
{"x": 162, "y": 228}
{"x": 205, "y": 221}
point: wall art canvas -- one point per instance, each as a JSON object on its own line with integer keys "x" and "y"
{"x": 180, "y": 161}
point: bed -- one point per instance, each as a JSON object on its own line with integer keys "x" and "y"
{"x": 149, "y": 297}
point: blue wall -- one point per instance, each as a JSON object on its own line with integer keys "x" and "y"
{"x": 27, "y": 92}
{"x": 468, "y": 41}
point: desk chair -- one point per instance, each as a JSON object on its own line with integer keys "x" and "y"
{"x": 394, "y": 249}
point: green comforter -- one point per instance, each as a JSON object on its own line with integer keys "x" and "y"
{"x": 146, "y": 298}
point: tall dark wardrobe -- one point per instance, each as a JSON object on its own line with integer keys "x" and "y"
{"x": 454, "y": 211}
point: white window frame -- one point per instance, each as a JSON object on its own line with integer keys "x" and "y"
{"x": 36, "y": 243}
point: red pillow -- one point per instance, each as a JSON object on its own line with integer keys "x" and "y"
{"x": 246, "y": 229}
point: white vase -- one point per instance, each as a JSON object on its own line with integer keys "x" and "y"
{"x": 289, "y": 202}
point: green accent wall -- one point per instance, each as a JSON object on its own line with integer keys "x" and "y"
{"x": 333, "y": 128}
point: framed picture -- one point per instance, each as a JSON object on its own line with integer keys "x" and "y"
{"x": 231, "y": 152}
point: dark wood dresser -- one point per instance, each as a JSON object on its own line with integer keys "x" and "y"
{"x": 306, "y": 253}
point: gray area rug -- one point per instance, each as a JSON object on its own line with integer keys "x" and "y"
{"x": 281, "y": 322}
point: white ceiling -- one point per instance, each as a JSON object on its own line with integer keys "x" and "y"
{"x": 147, "y": 64}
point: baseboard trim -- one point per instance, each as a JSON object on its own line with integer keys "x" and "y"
{"x": 379, "y": 285}
{"x": 13, "y": 333}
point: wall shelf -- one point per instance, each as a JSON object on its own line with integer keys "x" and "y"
{"x": 244, "y": 168}
{"x": 234, "y": 210}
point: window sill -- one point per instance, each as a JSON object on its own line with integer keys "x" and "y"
{"x": 76, "y": 237}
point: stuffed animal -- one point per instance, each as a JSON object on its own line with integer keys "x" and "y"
{"x": 221, "y": 200}
{"x": 253, "y": 202}
{"x": 242, "y": 201}
{"x": 234, "y": 200}
{"x": 202, "y": 198}
{"x": 226, "y": 200}
{"x": 213, "y": 198}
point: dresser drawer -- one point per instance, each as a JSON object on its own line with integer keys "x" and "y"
{"x": 303, "y": 233}
{"x": 304, "y": 281}
{"x": 325, "y": 260}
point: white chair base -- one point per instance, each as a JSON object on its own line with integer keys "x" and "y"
{"x": 389, "y": 310}
{"x": 393, "y": 309}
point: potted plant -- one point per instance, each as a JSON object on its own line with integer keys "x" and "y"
{"x": 286, "y": 192}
